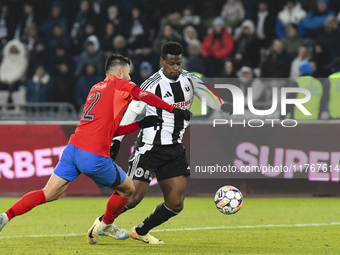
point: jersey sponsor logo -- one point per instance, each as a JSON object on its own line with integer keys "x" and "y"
{"x": 139, "y": 172}
{"x": 167, "y": 94}
{"x": 187, "y": 88}
{"x": 182, "y": 104}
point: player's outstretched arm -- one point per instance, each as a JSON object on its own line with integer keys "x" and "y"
{"x": 148, "y": 121}
{"x": 213, "y": 100}
{"x": 154, "y": 100}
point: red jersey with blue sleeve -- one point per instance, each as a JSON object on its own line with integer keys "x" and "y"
{"x": 103, "y": 111}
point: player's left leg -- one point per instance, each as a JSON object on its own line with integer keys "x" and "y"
{"x": 173, "y": 204}
{"x": 52, "y": 191}
{"x": 123, "y": 187}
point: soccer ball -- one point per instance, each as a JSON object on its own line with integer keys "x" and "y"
{"x": 228, "y": 200}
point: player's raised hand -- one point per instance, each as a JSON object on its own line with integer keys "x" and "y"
{"x": 115, "y": 145}
{"x": 150, "y": 121}
{"x": 227, "y": 107}
{"x": 182, "y": 113}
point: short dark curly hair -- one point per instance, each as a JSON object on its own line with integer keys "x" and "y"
{"x": 172, "y": 48}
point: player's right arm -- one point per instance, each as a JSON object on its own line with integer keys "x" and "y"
{"x": 202, "y": 90}
{"x": 153, "y": 100}
{"x": 135, "y": 108}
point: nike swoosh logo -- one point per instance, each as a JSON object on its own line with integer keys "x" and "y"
{"x": 90, "y": 235}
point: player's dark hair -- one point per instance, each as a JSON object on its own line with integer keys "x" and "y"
{"x": 115, "y": 60}
{"x": 172, "y": 48}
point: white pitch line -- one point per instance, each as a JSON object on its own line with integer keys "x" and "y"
{"x": 203, "y": 228}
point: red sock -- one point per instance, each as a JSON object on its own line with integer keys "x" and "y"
{"x": 114, "y": 207}
{"x": 26, "y": 203}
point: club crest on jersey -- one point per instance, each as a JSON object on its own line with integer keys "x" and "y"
{"x": 139, "y": 172}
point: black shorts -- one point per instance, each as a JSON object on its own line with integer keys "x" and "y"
{"x": 166, "y": 161}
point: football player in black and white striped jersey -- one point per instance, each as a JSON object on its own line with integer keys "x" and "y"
{"x": 160, "y": 151}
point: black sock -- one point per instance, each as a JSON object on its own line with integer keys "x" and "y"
{"x": 160, "y": 215}
{"x": 124, "y": 210}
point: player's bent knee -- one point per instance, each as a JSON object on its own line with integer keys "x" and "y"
{"x": 134, "y": 200}
{"x": 126, "y": 188}
{"x": 176, "y": 207}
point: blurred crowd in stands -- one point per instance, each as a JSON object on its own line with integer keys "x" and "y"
{"x": 55, "y": 50}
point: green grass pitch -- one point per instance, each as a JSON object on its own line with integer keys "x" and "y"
{"x": 262, "y": 226}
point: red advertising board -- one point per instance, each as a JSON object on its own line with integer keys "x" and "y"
{"x": 28, "y": 155}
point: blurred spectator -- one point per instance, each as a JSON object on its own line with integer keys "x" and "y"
{"x": 228, "y": 70}
{"x": 189, "y": 35}
{"x": 147, "y": 54}
{"x": 332, "y": 95}
{"x": 63, "y": 87}
{"x": 195, "y": 63}
{"x": 90, "y": 29}
{"x": 91, "y": 53}
{"x": 56, "y": 17}
{"x": 315, "y": 103}
{"x": 57, "y": 37}
{"x": 320, "y": 59}
{"x": 84, "y": 16}
{"x": 247, "y": 79}
{"x": 303, "y": 55}
{"x": 265, "y": 24}
{"x": 6, "y": 26}
{"x": 247, "y": 51}
{"x": 166, "y": 34}
{"x": 233, "y": 13}
{"x": 277, "y": 63}
{"x": 144, "y": 71}
{"x": 151, "y": 11}
{"x": 13, "y": 66}
{"x": 292, "y": 13}
{"x": 330, "y": 36}
{"x": 173, "y": 19}
{"x": 28, "y": 16}
{"x": 31, "y": 38}
{"x": 189, "y": 17}
{"x": 120, "y": 46}
{"x": 219, "y": 43}
{"x": 113, "y": 17}
{"x": 38, "y": 87}
{"x": 217, "y": 47}
{"x": 136, "y": 31}
{"x": 250, "y": 7}
{"x": 315, "y": 19}
{"x": 107, "y": 38}
{"x": 58, "y": 57}
{"x": 39, "y": 56}
{"x": 90, "y": 76}
{"x": 292, "y": 41}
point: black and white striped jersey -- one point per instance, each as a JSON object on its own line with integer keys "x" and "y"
{"x": 179, "y": 93}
